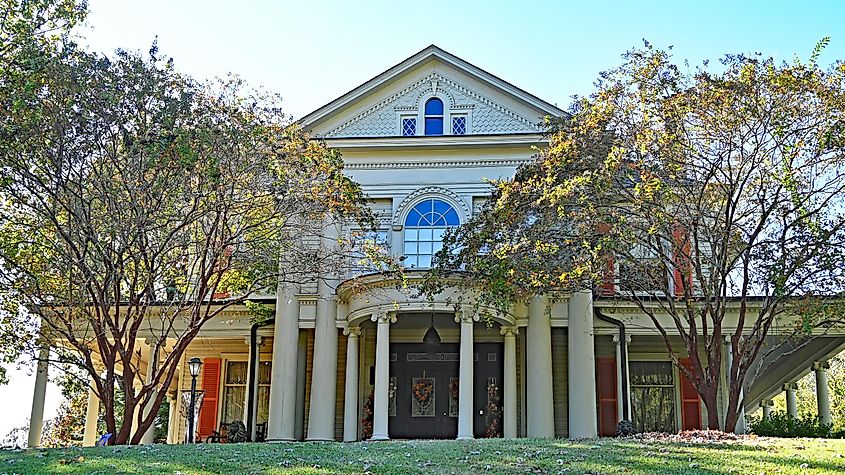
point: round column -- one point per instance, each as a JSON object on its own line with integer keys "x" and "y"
{"x": 465, "y": 376}
{"x": 538, "y": 355}
{"x": 321, "y": 422}
{"x": 350, "y": 398}
{"x": 152, "y": 366}
{"x": 92, "y": 412}
{"x": 766, "y": 404}
{"x": 36, "y": 415}
{"x": 791, "y": 399}
{"x": 382, "y": 383}
{"x": 283, "y": 382}
{"x": 509, "y": 406}
{"x": 583, "y": 420}
{"x": 822, "y": 395}
{"x": 172, "y": 418}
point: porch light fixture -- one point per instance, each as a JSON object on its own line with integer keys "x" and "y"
{"x": 194, "y": 365}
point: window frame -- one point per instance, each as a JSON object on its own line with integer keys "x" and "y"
{"x": 416, "y": 241}
{"x": 225, "y": 358}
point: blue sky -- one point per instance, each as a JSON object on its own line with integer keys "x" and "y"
{"x": 313, "y": 51}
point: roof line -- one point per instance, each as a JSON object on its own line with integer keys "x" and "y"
{"x": 413, "y": 60}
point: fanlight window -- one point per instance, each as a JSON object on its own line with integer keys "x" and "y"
{"x": 424, "y": 228}
{"x": 434, "y": 117}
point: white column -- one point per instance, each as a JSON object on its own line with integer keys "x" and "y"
{"x": 172, "y": 417}
{"x": 283, "y": 382}
{"x": 92, "y": 412}
{"x": 766, "y": 404}
{"x": 621, "y": 369}
{"x": 465, "y": 376}
{"x": 791, "y": 400}
{"x": 538, "y": 355}
{"x": 350, "y": 398}
{"x": 380, "y": 392}
{"x": 741, "y": 426}
{"x": 253, "y": 391}
{"x": 301, "y": 374}
{"x": 321, "y": 414}
{"x": 822, "y": 396}
{"x": 509, "y": 406}
{"x": 151, "y": 351}
{"x": 36, "y": 416}
{"x": 583, "y": 421}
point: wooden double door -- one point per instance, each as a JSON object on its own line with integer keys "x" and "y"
{"x": 423, "y": 397}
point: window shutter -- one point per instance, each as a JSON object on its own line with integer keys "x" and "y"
{"x": 690, "y": 402}
{"x": 211, "y": 386}
{"x": 606, "y": 391}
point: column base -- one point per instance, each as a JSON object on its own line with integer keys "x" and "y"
{"x": 319, "y": 439}
{"x": 379, "y": 437}
{"x": 465, "y": 437}
{"x": 279, "y": 441}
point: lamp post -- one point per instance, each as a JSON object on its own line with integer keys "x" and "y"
{"x": 194, "y": 366}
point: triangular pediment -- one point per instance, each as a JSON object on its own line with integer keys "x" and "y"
{"x": 488, "y": 104}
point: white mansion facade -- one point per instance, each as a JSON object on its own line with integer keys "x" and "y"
{"x": 370, "y": 360}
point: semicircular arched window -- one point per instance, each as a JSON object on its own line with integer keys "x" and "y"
{"x": 434, "y": 117}
{"x": 425, "y": 225}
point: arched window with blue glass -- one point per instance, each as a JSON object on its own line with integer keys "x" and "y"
{"x": 425, "y": 225}
{"x": 434, "y": 117}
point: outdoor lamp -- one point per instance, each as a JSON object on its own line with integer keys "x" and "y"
{"x": 194, "y": 366}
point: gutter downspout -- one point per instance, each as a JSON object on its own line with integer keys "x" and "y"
{"x": 623, "y": 353}
{"x": 253, "y": 375}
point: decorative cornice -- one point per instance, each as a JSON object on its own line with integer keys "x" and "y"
{"x": 430, "y": 164}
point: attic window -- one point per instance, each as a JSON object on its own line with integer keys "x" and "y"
{"x": 409, "y": 126}
{"x": 459, "y": 125}
{"x": 434, "y": 117}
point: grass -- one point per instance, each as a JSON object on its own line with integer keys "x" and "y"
{"x": 603, "y": 456}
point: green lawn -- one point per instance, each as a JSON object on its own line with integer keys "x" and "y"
{"x": 605, "y": 456}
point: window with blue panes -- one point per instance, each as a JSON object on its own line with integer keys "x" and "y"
{"x": 434, "y": 117}
{"x": 425, "y": 225}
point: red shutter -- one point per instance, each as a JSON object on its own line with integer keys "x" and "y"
{"x": 211, "y": 386}
{"x": 683, "y": 266}
{"x": 606, "y": 392}
{"x": 690, "y": 402}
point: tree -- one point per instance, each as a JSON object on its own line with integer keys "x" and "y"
{"x": 716, "y": 195}
{"x": 30, "y": 31}
{"x": 139, "y": 204}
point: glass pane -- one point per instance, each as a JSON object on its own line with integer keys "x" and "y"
{"x": 437, "y": 247}
{"x": 422, "y": 397}
{"x": 434, "y": 126}
{"x": 441, "y": 207}
{"x": 652, "y": 373}
{"x": 425, "y": 248}
{"x": 459, "y": 125}
{"x": 424, "y": 261}
{"x": 437, "y": 234}
{"x": 410, "y": 248}
{"x": 263, "y": 404}
{"x": 409, "y": 126}
{"x": 426, "y": 234}
{"x": 434, "y": 106}
{"x": 264, "y": 372}
{"x": 410, "y": 260}
{"x": 654, "y": 409}
{"x": 413, "y": 218}
{"x": 452, "y": 218}
{"x": 233, "y": 403}
{"x": 411, "y": 234}
{"x": 236, "y": 372}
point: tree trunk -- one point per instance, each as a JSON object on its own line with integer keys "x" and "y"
{"x": 711, "y": 402}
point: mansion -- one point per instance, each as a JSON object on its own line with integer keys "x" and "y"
{"x": 360, "y": 357}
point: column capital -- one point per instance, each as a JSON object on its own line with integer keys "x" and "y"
{"x": 627, "y": 339}
{"x": 790, "y": 386}
{"x": 150, "y": 341}
{"x": 259, "y": 340}
{"x": 821, "y": 365}
{"x": 465, "y": 317}
{"x": 509, "y": 331}
{"x": 352, "y": 332}
{"x": 384, "y": 317}
{"x": 767, "y": 403}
